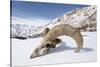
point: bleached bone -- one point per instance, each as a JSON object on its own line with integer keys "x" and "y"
{"x": 50, "y": 39}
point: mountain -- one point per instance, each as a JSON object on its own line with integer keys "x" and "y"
{"x": 81, "y": 18}
{"x": 84, "y": 18}
{"x": 23, "y": 30}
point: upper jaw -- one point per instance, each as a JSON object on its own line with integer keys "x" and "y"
{"x": 37, "y": 54}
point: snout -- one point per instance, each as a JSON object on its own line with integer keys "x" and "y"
{"x": 34, "y": 56}
{"x": 39, "y": 52}
{"x": 31, "y": 57}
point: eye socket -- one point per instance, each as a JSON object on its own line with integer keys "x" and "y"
{"x": 48, "y": 45}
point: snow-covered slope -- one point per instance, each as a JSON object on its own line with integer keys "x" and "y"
{"x": 64, "y": 53}
{"x": 84, "y": 18}
{"x": 22, "y": 30}
{"x": 78, "y": 18}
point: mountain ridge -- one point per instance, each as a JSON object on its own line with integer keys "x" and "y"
{"x": 84, "y": 18}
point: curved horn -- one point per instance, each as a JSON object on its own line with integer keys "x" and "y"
{"x": 79, "y": 41}
{"x": 65, "y": 29}
{"x": 45, "y": 31}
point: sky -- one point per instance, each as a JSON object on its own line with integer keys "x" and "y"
{"x": 36, "y": 11}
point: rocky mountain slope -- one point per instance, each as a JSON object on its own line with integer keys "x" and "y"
{"x": 84, "y": 18}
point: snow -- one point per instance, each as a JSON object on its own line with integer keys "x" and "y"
{"x": 25, "y": 27}
{"x": 79, "y": 17}
{"x": 64, "y": 53}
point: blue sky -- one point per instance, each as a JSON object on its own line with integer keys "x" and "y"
{"x": 30, "y": 10}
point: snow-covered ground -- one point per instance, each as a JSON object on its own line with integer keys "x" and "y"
{"x": 64, "y": 53}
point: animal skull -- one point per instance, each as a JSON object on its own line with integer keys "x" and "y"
{"x": 44, "y": 48}
{"x": 41, "y": 50}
